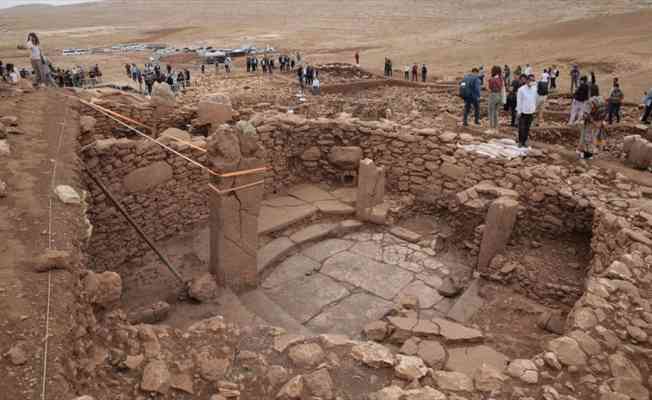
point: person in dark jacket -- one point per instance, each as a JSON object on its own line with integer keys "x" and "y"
{"x": 510, "y": 105}
{"x": 579, "y": 100}
{"x": 424, "y": 72}
{"x": 472, "y": 97}
{"x": 616, "y": 97}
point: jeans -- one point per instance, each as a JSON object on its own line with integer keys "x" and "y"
{"x": 614, "y": 109}
{"x": 577, "y": 111}
{"x": 524, "y": 123}
{"x": 495, "y": 100}
{"x": 646, "y": 114}
{"x": 475, "y": 103}
{"x": 38, "y": 72}
{"x": 574, "y": 84}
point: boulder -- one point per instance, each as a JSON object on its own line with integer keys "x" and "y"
{"x": 488, "y": 378}
{"x": 156, "y": 377}
{"x": 432, "y": 353}
{"x": 87, "y": 124}
{"x": 376, "y": 330}
{"x": 146, "y": 178}
{"x": 162, "y": 95}
{"x": 306, "y": 355}
{"x": 345, "y": 157}
{"x": 568, "y": 351}
{"x": 410, "y": 367}
{"x": 104, "y": 289}
{"x": 67, "y": 194}
{"x": 149, "y": 314}
{"x": 320, "y": 384}
{"x": 525, "y": 370}
{"x": 424, "y": 393}
{"x": 622, "y": 367}
{"x": 214, "y": 109}
{"x": 16, "y": 354}
{"x": 454, "y": 381}
{"x": 292, "y": 389}
{"x": 176, "y": 134}
{"x": 203, "y": 289}
{"x": 373, "y": 354}
{"x": 9, "y": 120}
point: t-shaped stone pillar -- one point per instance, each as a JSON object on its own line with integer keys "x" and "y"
{"x": 498, "y": 227}
{"x": 371, "y": 189}
{"x": 234, "y": 215}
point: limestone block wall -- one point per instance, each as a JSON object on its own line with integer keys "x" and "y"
{"x": 427, "y": 163}
{"x": 162, "y": 192}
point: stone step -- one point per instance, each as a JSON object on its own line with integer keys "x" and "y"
{"x": 258, "y": 302}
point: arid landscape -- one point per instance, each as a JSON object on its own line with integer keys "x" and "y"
{"x": 241, "y": 237}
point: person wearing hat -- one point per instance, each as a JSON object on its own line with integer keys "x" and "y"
{"x": 526, "y": 107}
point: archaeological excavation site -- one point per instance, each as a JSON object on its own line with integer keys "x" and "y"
{"x": 242, "y": 240}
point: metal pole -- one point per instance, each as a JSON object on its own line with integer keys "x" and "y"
{"x": 136, "y": 227}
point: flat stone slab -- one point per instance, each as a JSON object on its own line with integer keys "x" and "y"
{"x": 380, "y": 279}
{"x": 310, "y": 193}
{"x": 327, "y": 248}
{"x": 351, "y": 315}
{"x": 313, "y": 232}
{"x": 468, "y": 359}
{"x": 453, "y": 332}
{"x": 272, "y": 219}
{"x": 369, "y": 249}
{"x": 346, "y": 195}
{"x": 294, "y": 267}
{"x": 427, "y": 296}
{"x": 405, "y": 234}
{"x": 334, "y": 207}
{"x": 273, "y": 251}
{"x": 467, "y": 304}
{"x": 305, "y": 297}
{"x": 284, "y": 201}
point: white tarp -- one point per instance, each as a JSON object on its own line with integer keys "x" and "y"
{"x": 498, "y": 148}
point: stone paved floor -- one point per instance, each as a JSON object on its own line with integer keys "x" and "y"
{"x": 339, "y": 285}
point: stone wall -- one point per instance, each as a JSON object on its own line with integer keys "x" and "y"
{"x": 163, "y": 193}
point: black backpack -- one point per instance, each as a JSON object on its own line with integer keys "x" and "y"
{"x": 542, "y": 88}
{"x": 466, "y": 91}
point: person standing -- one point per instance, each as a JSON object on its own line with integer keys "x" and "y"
{"x": 406, "y": 72}
{"x": 543, "y": 88}
{"x": 518, "y": 72}
{"x": 36, "y": 58}
{"x": 415, "y": 73}
{"x": 481, "y": 76}
{"x": 357, "y": 59}
{"x": 507, "y": 74}
{"x": 575, "y": 78}
{"x": 579, "y": 100}
{"x": 554, "y": 74}
{"x": 496, "y": 89}
{"x": 592, "y": 127}
{"x": 616, "y": 97}
{"x": 227, "y": 64}
{"x": 470, "y": 93}
{"x": 526, "y": 106}
{"x": 647, "y": 102}
{"x": 424, "y": 73}
{"x": 203, "y": 68}
{"x": 528, "y": 70}
{"x": 511, "y": 98}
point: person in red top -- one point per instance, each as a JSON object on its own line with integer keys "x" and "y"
{"x": 415, "y": 73}
{"x": 496, "y": 93}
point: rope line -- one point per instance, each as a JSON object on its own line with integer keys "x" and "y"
{"x": 49, "y": 299}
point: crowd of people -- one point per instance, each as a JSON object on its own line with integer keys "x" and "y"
{"x": 524, "y": 96}
{"x": 411, "y": 72}
{"x": 152, "y": 73}
{"x": 77, "y": 76}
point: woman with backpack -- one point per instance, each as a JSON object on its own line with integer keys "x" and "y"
{"x": 496, "y": 90}
{"x": 616, "y": 97}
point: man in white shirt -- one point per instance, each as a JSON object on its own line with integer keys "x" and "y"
{"x": 528, "y": 70}
{"x": 526, "y": 106}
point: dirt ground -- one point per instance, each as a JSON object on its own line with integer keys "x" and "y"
{"x": 611, "y": 38}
